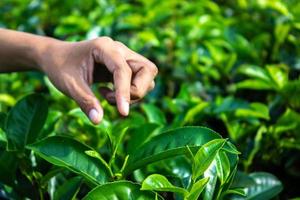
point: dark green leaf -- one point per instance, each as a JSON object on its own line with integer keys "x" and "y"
{"x": 2, "y": 120}
{"x": 25, "y": 121}
{"x": 53, "y": 117}
{"x": 266, "y": 186}
{"x": 169, "y": 144}
{"x": 242, "y": 180}
{"x": 68, "y": 190}
{"x": 141, "y": 135}
{"x": 8, "y": 165}
{"x": 69, "y": 153}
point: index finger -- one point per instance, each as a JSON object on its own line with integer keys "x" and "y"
{"x": 122, "y": 80}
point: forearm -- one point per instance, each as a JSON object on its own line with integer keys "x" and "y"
{"x": 21, "y": 51}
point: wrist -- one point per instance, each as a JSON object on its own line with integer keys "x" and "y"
{"x": 43, "y": 51}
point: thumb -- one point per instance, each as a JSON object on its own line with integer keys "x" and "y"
{"x": 87, "y": 101}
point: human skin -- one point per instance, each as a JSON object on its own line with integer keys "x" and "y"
{"x": 74, "y": 66}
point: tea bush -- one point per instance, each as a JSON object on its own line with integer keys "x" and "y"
{"x": 231, "y": 66}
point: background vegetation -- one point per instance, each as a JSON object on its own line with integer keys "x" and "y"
{"x": 232, "y": 66}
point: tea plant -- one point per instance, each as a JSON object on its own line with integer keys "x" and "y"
{"x": 133, "y": 163}
{"x": 232, "y": 66}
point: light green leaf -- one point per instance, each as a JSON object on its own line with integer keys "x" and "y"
{"x": 236, "y": 191}
{"x": 278, "y": 75}
{"x": 25, "y": 121}
{"x": 255, "y": 72}
{"x": 157, "y": 182}
{"x": 254, "y": 84}
{"x": 69, "y": 153}
{"x": 223, "y": 166}
{"x": 190, "y": 115}
{"x": 210, "y": 188}
{"x": 256, "y": 110}
{"x": 197, "y": 189}
{"x": 7, "y": 99}
{"x": 205, "y": 155}
{"x": 120, "y": 190}
{"x": 154, "y": 114}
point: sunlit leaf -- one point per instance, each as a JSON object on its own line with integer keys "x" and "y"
{"x": 197, "y": 188}
{"x": 205, "y": 155}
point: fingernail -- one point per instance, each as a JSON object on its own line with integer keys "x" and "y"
{"x": 95, "y": 116}
{"x": 125, "y": 106}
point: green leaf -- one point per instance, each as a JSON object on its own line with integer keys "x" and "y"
{"x": 69, "y": 189}
{"x": 190, "y": 115}
{"x": 49, "y": 127}
{"x": 210, "y": 188}
{"x": 205, "y": 156}
{"x": 169, "y": 144}
{"x": 140, "y": 135}
{"x": 120, "y": 190}
{"x": 69, "y": 153}
{"x": 2, "y": 120}
{"x": 25, "y": 121}
{"x": 2, "y": 126}
{"x": 8, "y": 166}
{"x": 160, "y": 183}
{"x": 256, "y": 110}
{"x": 278, "y": 75}
{"x": 242, "y": 180}
{"x": 266, "y": 186}
{"x": 7, "y": 99}
{"x": 254, "y": 84}
{"x": 154, "y": 114}
{"x": 255, "y": 72}
{"x": 236, "y": 191}
{"x": 291, "y": 93}
{"x": 223, "y": 166}
{"x": 197, "y": 189}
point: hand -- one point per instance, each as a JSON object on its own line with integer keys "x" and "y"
{"x": 74, "y": 67}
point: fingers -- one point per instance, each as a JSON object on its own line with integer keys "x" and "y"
{"x": 84, "y": 97}
{"x": 144, "y": 72}
{"x": 110, "y": 95}
{"x": 142, "y": 81}
{"x": 107, "y": 52}
{"x": 133, "y": 74}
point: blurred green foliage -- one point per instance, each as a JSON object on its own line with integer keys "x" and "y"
{"x": 231, "y": 65}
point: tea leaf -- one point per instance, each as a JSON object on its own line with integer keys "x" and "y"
{"x": 69, "y": 153}
{"x": 120, "y": 190}
{"x": 25, "y": 121}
